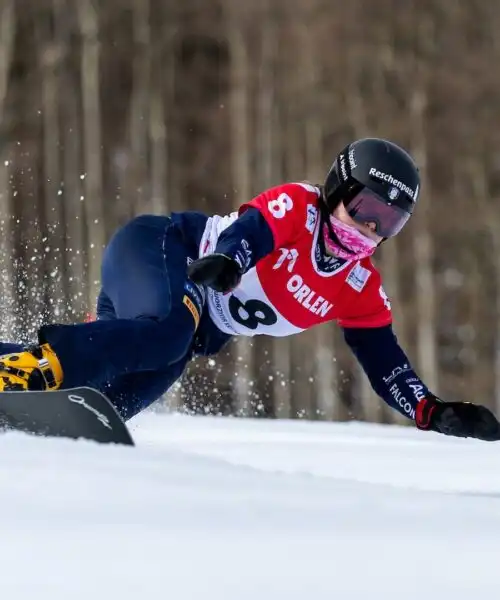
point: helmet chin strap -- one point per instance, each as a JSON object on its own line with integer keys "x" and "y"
{"x": 325, "y": 215}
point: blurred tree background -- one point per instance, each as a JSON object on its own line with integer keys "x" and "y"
{"x": 113, "y": 108}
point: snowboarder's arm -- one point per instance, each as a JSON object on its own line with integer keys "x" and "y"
{"x": 387, "y": 367}
{"x": 393, "y": 379}
{"x": 271, "y": 219}
{"x": 248, "y": 239}
{"x": 239, "y": 248}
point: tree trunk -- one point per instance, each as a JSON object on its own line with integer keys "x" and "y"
{"x": 8, "y": 296}
{"x": 423, "y": 250}
{"x": 140, "y": 105}
{"x": 489, "y": 216}
{"x": 370, "y": 406}
{"x": 326, "y": 384}
{"x": 72, "y": 160}
{"x": 240, "y": 167}
{"x": 50, "y": 54}
{"x": 92, "y": 176}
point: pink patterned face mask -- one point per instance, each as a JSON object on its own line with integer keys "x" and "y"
{"x": 360, "y": 245}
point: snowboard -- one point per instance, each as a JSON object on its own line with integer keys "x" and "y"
{"x": 74, "y": 413}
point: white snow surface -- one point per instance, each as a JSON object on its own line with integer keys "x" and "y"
{"x": 223, "y": 508}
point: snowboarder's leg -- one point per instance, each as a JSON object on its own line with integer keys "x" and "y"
{"x": 136, "y": 391}
{"x": 7, "y": 347}
{"x": 105, "y": 309}
{"x": 157, "y": 310}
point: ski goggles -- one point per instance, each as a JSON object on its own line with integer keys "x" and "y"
{"x": 368, "y": 207}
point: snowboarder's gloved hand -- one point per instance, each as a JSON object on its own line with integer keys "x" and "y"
{"x": 37, "y": 368}
{"x": 217, "y": 271}
{"x": 460, "y": 419}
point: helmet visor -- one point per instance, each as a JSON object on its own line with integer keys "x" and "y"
{"x": 368, "y": 207}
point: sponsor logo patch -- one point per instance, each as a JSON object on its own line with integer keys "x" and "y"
{"x": 395, "y": 372}
{"x": 402, "y": 401}
{"x": 352, "y": 160}
{"x": 100, "y": 417}
{"x": 312, "y": 216}
{"x": 376, "y": 174}
{"x": 384, "y": 297}
{"x": 358, "y": 277}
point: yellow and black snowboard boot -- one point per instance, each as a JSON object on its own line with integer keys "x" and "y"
{"x": 36, "y": 368}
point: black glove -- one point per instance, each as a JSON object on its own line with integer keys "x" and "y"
{"x": 460, "y": 419}
{"x": 218, "y": 271}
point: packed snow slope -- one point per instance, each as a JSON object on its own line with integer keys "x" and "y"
{"x": 212, "y": 508}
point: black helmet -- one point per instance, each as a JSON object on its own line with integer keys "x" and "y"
{"x": 377, "y": 181}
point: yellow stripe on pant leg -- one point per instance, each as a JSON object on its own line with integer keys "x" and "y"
{"x": 192, "y": 309}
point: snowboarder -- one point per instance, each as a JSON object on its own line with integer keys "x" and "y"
{"x": 296, "y": 256}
